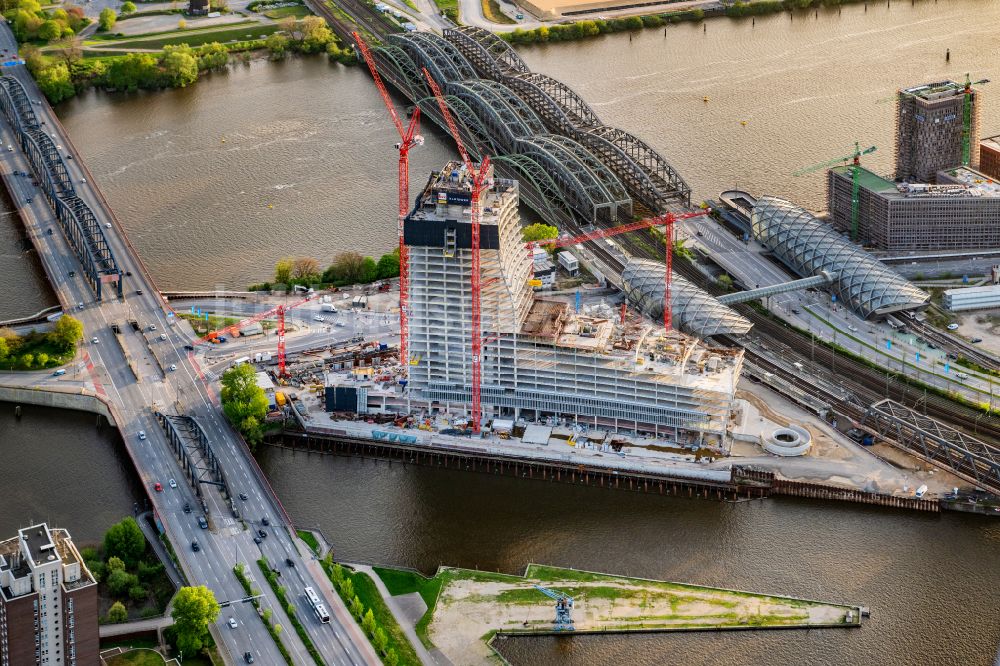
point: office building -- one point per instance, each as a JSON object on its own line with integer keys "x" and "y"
{"x": 989, "y": 157}
{"x": 962, "y": 211}
{"x": 929, "y": 130}
{"x": 48, "y": 601}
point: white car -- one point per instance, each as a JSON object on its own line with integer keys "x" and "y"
{"x": 172, "y": 483}
{"x": 853, "y": 329}
{"x": 107, "y": 225}
{"x": 173, "y": 368}
{"x": 94, "y": 340}
{"x": 232, "y": 623}
{"x": 318, "y": 318}
{"x": 952, "y": 327}
{"x": 142, "y": 435}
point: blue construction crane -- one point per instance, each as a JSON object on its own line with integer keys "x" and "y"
{"x": 564, "y": 607}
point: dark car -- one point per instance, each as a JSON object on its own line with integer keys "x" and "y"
{"x": 256, "y": 539}
{"x": 138, "y": 292}
{"x": 187, "y": 508}
{"x": 975, "y": 340}
{"x": 189, "y": 347}
{"x": 72, "y": 273}
{"x": 247, "y": 657}
{"x": 265, "y": 521}
{"x": 202, "y": 522}
{"x": 128, "y": 273}
{"x": 195, "y": 547}
{"x": 243, "y": 496}
{"x": 29, "y": 199}
{"x": 289, "y": 562}
{"x": 262, "y": 534}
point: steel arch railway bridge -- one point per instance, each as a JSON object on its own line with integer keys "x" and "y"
{"x": 535, "y": 124}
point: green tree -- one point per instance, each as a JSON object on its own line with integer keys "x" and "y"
{"x": 368, "y": 622}
{"x": 119, "y": 581}
{"x": 137, "y": 593}
{"x": 345, "y": 269}
{"x": 357, "y": 608}
{"x": 212, "y": 56}
{"x": 369, "y": 270}
{"x": 347, "y": 587}
{"x": 117, "y": 613}
{"x": 539, "y": 231}
{"x": 115, "y": 564}
{"x": 388, "y": 265}
{"x": 56, "y": 84}
{"x": 27, "y": 360}
{"x": 106, "y": 20}
{"x": 283, "y": 270}
{"x": 315, "y": 34}
{"x": 125, "y": 540}
{"x": 42, "y": 359}
{"x": 67, "y": 332}
{"x": 276, "y": 45}
{"x": 194, "y": 609}
{"x": 337, "y": 574}
{"x": 128, "y": 7}
{"x": 267, "y": 615}
{"x": 49, "y": 30}
{"x": 391, "y": 658}
{"x": 725, "y": 281}
{"x": 277, "y": 630}
{"x": 180, "y": 67}
{"x": 243, "y": 402}
{"x": 379, "y": 639}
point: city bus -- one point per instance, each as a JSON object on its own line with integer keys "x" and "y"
{"x": 317, "y": 606}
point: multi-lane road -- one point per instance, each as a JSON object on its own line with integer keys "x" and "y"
{"x": 182, "y": 391}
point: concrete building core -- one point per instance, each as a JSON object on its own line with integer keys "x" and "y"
{"x": 540, "y": 357}
{"x": 962, "y": 211}
{"x": 48, "y": 601}
{"x": 929, "y": 123}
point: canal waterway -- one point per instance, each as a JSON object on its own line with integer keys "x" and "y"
{"x": 60, "y": 466}
{"x": 218, "y": 180}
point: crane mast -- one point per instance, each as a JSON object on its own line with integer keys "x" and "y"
{"x": 478, "y": 178}
{"x": 408, "y": 138}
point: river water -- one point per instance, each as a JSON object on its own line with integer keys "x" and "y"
{"x": 307, "y": 167}
{"x": 218, "y": 180}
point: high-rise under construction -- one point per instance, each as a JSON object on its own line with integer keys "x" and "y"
{"x": 937, "y": 127}
{"x": 541, "y": 357}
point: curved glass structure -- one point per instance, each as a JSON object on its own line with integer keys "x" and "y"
{"x": 807, "y": 246}
{"x": 693, "y": 310}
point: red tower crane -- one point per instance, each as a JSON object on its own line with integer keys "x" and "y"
{"x": 667, "y": 220}
{"x": 408, "y": 138}
{"x": 278, "y": 310}
{"x": 478, "y": 178}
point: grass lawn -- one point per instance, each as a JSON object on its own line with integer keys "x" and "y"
{"x": 491, "y": 10}
{"x": 365, "y": 590}
{"x": 56, "y": 355}
{"x": 197, "y": 38}
{"x": 310, "y": 539}
{"x": 449, "y": 8}
{"x": 298, "y": 11}
{"x": 138, "y": 658}
{"x": 214, "y": 322}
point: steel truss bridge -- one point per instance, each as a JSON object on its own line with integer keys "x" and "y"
{"x": 76, "y": 219}
{"x": 194, "y": 451}
{"x": 594, "y": 171}
{"x": 969, "y": 458}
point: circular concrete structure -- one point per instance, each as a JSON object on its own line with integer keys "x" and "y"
{"x": 787, "y": 442}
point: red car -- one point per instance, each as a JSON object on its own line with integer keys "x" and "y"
{"x": 158, "y": 487}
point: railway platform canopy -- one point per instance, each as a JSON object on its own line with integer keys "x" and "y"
{"x": 808, "y": 246}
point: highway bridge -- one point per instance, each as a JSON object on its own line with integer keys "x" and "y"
{"x": 99, "y": 277}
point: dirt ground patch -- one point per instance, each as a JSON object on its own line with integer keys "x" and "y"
{"x": 469, "y": 608}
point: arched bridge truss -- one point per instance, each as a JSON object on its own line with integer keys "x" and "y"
{"x": 78, "y": 222}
